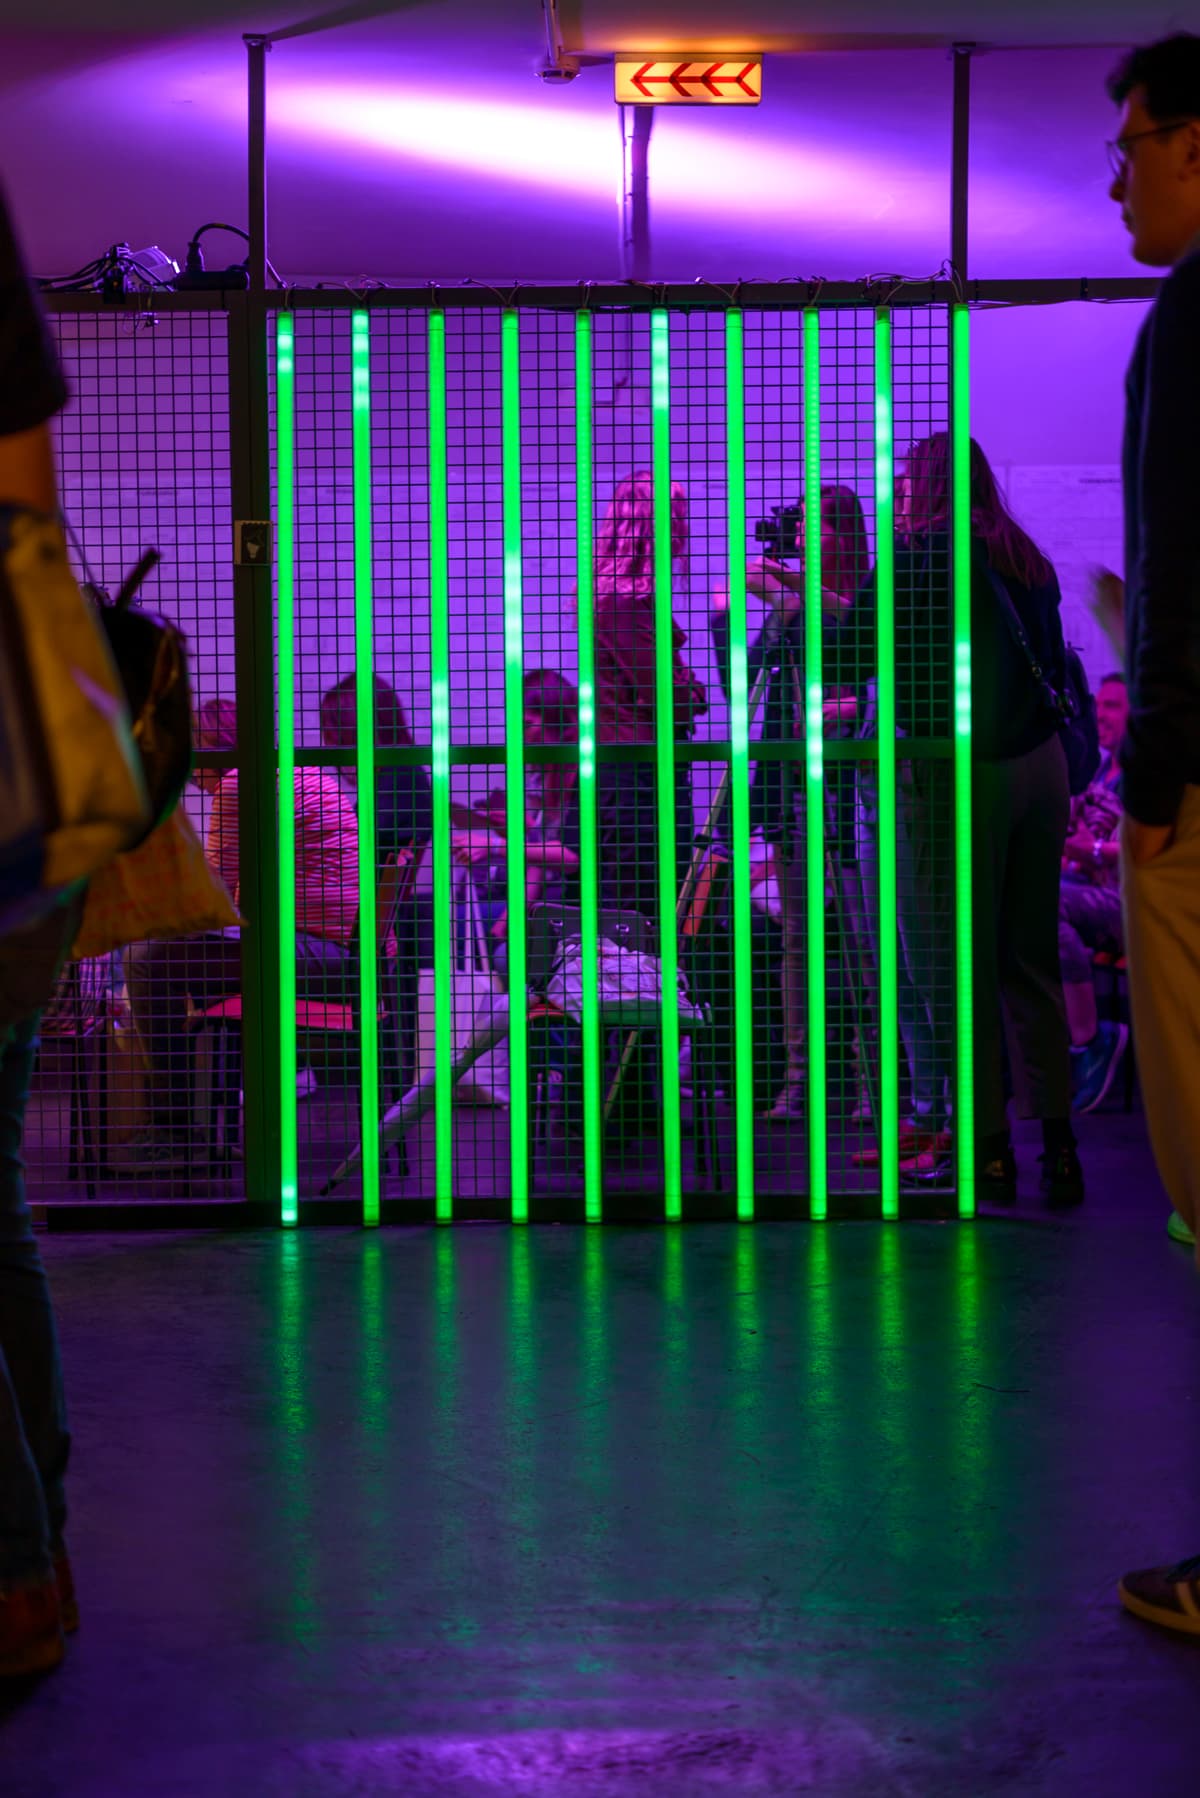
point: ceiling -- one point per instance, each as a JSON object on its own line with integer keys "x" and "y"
{"x": 414, "y": 141}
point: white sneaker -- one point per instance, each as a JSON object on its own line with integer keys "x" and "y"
{"x": 306, "y": 1082}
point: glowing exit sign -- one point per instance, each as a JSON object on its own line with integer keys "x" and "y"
{"x": 689, "y": 80}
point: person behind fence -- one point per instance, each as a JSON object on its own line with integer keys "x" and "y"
{"x": 777, "y": 787}
{"x": 626, "y": 697}
{"x": 551, "y": 809}
{"x": 167, "y": 980}
{"x": 37, "y": 1594}
{"x": 1021, "y": 807}
{"x": 403, "y": 828}
{"x": 1089, "y": 907}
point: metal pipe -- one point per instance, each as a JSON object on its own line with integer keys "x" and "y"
{"x": 256, "y": 144}
{"x": 960, "y": 161}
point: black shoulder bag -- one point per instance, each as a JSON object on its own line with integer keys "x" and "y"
{"x": 1073, "y": 706}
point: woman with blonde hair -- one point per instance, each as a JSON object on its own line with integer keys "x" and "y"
{"x": 627, "y": 700}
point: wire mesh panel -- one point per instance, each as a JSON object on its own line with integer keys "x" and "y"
{"x": 132, "y": 1095}
{"x": 610, "y": 633}
{"x": 622, "y": 687}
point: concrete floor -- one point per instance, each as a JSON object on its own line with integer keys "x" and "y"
{"x": 763, "y": 1511}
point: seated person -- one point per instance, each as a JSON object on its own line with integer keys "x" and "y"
{"x": 403, "y": 827}
{"x": 1089, "y": 911}
{"x": 164, "y": 976}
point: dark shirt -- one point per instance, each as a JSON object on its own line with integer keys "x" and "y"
{"x": 32, "y": 388}
{"x": 403, "y": 809}
{"x": 1009, "y": 712}
{"x": 627, "y": 670}
{"x": 776, "y": 786}
{"x": 1161, "y": 471}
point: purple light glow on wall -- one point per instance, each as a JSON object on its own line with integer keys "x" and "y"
{"x": 697, "y": 166}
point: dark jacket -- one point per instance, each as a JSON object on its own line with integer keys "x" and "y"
{"x": 1009, "y": 712}
{"x": 1161, "y": 469}
{"x": 776, "y": 786}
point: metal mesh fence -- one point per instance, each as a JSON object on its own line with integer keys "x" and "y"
{"x": 577, "y": 950}
{"x": 128, "y": 1075}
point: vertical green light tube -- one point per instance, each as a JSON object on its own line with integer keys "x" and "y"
{"x": 593, "y": 1177}
{"x": 364, "y": 743}
{"x": 285, "y": 587}
{"x": 739, "y": 733}
{"x": 885, "y": 682}
{"x": 660, "y": 406}
{"x": 814, "y": 773}
{"x": 514, "y": 761}
{"x": 960, "y": 449}
{"x": 439, "y": 708}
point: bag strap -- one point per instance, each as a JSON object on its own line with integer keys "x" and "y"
{"x": 1016, "y": 629}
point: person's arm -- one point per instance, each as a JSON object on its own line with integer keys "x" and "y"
{"x": 1161, "y": 750}
{"x": 32, "y": 388}
{"x": 222, "y": 845}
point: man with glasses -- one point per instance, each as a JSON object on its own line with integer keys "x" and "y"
{"x": 1156, "y": 183}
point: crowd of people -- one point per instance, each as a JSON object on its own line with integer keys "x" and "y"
{"x": 1046, "y": 881}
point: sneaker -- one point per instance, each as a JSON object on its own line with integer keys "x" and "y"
{"x": 1179, "y": 1231}
{"x": 790, "y": 1107}
{"x": 934, "y": 1167}
{"x": 1095, "y": 1067}
{"x": 306, "y": 1082}
{"x": 68, "y": 1603}
{"x": 31, "y": 1637}
{"x": 914, "y": 1142}
{"x": 1168, "y": 1596}
{"x": 1062, "y": 1178}
{"x": 154, "y": 1151}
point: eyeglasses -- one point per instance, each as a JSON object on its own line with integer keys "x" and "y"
{"x": 1119, "y": 150}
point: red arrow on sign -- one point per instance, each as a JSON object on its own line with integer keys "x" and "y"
{"x": 677, "y": 79}
{"x": 714, "y": 82}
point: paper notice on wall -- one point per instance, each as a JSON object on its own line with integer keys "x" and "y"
{"x": 1074, "y": 514}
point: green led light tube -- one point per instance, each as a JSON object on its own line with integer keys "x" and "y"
{"x": 885, "y": 681}
{"x": 660, "y": 409}
{"x": 364, "y": 744}
{"x": 285, "y": 589}
{"x": 814, "y": 775}
{"x": 960, "y": 450}
{"x": 439, "y": 705}
{"x": 514, "y": 763}
{"x": 739, "y": 733}
{"x": 593, "y": 1176}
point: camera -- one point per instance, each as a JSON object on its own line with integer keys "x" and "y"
{"x": 779, "y": 534}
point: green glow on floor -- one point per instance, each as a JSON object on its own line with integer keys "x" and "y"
{"x": 660, "y": 408}
{"x": 285, "y": 589}
{"x": 364, "y": 740}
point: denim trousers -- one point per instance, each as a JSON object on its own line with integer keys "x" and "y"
{"x": 34, "y": 1441}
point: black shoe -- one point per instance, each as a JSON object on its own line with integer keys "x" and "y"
{"x": 996, "y": 1178}
{"x": 1062, "y": 1177}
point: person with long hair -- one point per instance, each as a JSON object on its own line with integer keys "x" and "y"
{"x": 1021, "y": 806}
{"x": 777, "y": 787}
{"x": 626, "y": 695}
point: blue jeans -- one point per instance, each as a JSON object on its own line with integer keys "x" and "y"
{"x": 34, "y": 1443}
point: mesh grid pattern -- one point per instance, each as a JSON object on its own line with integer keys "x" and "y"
{"x": 145, "y": 458}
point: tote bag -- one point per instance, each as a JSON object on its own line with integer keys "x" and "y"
{"x": 71, "y": 788}
{"x": 472, "y": 983}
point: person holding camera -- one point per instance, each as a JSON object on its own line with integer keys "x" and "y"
{"x": 777, "y": 787}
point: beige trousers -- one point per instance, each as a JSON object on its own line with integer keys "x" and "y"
{"x": 1162, "y": 935}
